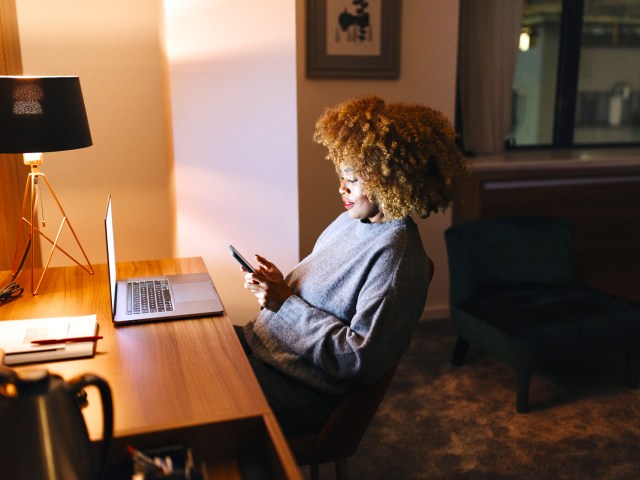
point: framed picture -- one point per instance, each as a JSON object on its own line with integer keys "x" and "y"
{"x": 353, "y": 38}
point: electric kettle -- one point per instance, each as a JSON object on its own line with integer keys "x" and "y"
{"x": 42, "y": 431}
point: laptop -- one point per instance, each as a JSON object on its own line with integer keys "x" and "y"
{"x": 148, "y": 299}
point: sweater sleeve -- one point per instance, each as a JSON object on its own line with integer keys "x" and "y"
{"x": 362, "y": 347}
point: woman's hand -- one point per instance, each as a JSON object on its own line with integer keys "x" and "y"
{"x": 268, "y": 285}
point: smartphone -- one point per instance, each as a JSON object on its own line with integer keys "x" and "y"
{"x": 241, "y": 260}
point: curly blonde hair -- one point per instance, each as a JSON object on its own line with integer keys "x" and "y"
{"x": 405, "y": 153}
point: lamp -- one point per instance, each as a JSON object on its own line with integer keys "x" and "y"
{"x": 525, "y": 39}
{"x": 41, "y": 114}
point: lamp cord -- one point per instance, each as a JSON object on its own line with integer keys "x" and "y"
{"x": 12, "y": 290}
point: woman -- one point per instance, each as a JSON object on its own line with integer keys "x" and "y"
{"x": 345, "y": 313}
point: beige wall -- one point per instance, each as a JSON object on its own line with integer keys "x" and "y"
{"x": 114, "y": 47}
{"x": 234, "y": 160}
{"x": 427, "y": 75}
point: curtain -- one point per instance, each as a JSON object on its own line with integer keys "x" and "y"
{"x": 487, "y": 55}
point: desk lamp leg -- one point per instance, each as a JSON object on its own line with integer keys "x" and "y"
{"x": 32, "y": 193}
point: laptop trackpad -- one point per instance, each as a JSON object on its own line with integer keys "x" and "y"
{"x": 192, "y": 292}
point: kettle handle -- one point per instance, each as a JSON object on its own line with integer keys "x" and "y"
{"x": 76, "y": 385}
{"x": 7, "y": 375}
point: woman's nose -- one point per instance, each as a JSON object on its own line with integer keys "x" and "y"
{"x": 343, "y": 188}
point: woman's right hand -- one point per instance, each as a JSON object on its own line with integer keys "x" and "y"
{"x": 268, "y": 285}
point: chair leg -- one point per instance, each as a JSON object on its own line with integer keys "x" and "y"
{"x": 522, "y": 392}
{"x": 632, "y": 368}
{"x": 342, "y": 472}
{"x": 460, "y": 351}
{"x": 314, "y": 472}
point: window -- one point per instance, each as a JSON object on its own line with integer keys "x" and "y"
{"x": 577, "y": 76}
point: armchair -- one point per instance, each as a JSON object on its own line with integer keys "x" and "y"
{"x": 514, "y": 295}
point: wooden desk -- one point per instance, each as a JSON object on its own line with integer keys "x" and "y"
{"x": 183, "y": 381}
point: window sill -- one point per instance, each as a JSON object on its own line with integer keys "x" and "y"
{"x": 558, "y": 159}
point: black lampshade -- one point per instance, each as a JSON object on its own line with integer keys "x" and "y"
{"x": 42, "y": 114}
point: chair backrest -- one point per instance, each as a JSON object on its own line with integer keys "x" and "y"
{"x": 347, "y": 423}
{"x": 508, "y": 250}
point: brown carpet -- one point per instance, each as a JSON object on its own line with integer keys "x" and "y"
{"x": 439, "y": 421}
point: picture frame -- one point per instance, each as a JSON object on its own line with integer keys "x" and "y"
{"x": 353, "y": 39}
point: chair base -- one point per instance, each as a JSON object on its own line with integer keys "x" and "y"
{"x": 460, "y": 351}
{"x": 523, "y": 375}
{"x": 522, "y": 390}
{"x": 342, "y": 470}
{"x": 532, "y": 325}
{"x": 632, "y": 368}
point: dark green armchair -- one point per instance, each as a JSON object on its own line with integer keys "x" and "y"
{"x": 513, "y": 294}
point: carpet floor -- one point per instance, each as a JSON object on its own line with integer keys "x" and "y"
{"x": 439, "y": 421}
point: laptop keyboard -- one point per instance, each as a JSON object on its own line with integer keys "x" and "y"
{"x": 149, "y": 296}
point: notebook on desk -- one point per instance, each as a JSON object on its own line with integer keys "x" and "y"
{"x": 16, "y": 337}
{"x": 158, "y": 298}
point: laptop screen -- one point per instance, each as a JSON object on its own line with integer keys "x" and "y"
{"x": 111, "y": 254}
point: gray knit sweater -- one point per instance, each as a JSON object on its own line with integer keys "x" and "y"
{"x": 356, "y": 299}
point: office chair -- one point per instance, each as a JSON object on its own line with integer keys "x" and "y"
{"x": 341, "y": 433}
{"x": 513, "y": 294}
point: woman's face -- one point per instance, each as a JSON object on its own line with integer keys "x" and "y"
{"x": 354, "y": 200}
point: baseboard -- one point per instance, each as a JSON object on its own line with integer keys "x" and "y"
{"x": 436, "y": 312}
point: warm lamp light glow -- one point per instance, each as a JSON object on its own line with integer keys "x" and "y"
{"x": 32, "y": 158}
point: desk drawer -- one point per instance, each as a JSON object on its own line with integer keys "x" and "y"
{"x": 236, "y": 449}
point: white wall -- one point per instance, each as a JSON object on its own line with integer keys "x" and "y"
{"x": 232, "y": 71}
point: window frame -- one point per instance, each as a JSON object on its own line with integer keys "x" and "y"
{"x": 568, "y": 72}
{"x": 566, "y": 95}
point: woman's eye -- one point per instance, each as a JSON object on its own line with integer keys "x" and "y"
{"x": 348, "y": 179}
